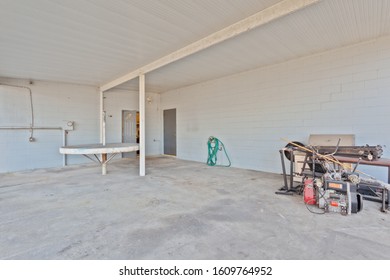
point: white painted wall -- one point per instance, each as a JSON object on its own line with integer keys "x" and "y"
{"x": 340, "y": 91}
{"x": 117, "y": 100}
{"x": 53, "y": 104}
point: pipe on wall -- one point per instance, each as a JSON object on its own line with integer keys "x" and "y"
{"x": 28, "y": 127}
{"x": 31, "y": 106}
{"x": 32, "y": 126}
{"x": 64, "y": 138}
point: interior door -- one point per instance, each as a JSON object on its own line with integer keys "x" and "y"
{"x": 129, "y": 130}
{"x": 170, "y": 132}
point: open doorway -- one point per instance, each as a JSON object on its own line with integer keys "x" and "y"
{"x": 130, "y": 130}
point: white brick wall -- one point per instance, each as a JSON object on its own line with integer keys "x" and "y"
{"x": 117, "y": 100}
{"x": 53, "y": 103}
{"x": 340, "y": 91}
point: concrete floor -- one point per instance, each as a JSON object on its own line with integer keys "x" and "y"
{"x": 180, "y": 210}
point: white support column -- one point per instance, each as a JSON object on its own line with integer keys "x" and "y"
{"x": 103, "y": 132}
{"x": 64, "y": 143}
{"x": 142, "y": 125}
{"x": 101, "y": 118}
{"x": 104, "y": 128}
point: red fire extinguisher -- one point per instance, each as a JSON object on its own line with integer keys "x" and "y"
{"x": 309, "y": 195}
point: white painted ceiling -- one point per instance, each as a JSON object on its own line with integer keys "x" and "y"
{"x": 93, "y": 42}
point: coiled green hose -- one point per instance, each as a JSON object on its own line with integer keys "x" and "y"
{"x": 214, "y": 145}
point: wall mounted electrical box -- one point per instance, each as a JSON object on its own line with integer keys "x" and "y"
{"x": 68, "y": 125}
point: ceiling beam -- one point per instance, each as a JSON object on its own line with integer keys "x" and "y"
{"x": 263, "y": 17}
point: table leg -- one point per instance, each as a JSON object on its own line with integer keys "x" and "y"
{"x": 104, "y": 164}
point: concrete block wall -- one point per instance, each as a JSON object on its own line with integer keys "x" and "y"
{"x": 342, "y": 91}
{"x": 53, "y": 103}
{"x": 117, "y": 100}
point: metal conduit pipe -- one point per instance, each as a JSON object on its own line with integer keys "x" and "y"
{"x": 28, "y": 128}
{"x": 64, "y": 139}
{"x": 32, "y": 127}
{"x": 31, "y": 106}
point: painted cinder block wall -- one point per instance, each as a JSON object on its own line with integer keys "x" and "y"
{"x": 342, "y": 91}
{"x": 117, "y": 100}
{"x": 53, "y": 104}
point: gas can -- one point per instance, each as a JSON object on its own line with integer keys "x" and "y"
{"x": 309, "y": 196}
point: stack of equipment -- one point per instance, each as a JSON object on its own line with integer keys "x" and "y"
{"x": 332, "y": 186}
{"x": 365, "y": 152}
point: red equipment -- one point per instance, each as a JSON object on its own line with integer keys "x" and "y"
{"x": 309, "y": 195}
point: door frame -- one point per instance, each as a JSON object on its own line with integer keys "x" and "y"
{"x": 163, "y": 134}
{"x": 130, "y": 154}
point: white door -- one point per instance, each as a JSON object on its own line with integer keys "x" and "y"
{"x": 129, "y": 130}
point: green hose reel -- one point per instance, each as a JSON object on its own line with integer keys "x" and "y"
{"x": 214, "y": 145}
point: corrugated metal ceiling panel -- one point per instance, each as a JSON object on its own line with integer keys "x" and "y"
{"x": 92, "y": 42}
{"x": 318, "y": 28}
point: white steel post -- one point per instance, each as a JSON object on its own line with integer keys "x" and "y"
{"x": 101, "y": 109}
{"x": 103, "y": 132}
{"x": 104, "y": 128}
{"x": 142, "y": 125}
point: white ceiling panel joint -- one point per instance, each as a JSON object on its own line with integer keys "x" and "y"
{"x": 263, "y": 17}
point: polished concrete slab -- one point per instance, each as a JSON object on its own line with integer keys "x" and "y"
{"x": 180, "y": 210}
